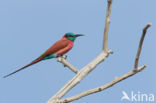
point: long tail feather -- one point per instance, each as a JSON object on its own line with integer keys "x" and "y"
{"x": 33, "y": 62}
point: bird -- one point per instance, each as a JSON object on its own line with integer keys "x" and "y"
{"x": 56, "y": 50}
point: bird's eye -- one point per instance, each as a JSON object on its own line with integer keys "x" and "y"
{"x": 69, "y": 36}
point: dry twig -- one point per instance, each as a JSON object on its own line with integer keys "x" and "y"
{"x": 67, "y": 64}
{"x": 140, "y": 46}
{"x": 101, "y": 88}
{"x": 105, "y": 39}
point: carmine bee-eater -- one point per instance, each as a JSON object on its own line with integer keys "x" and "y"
{"x": 58, "y": 49}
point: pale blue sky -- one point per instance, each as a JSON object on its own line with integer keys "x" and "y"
{"x": 29, "y": 27}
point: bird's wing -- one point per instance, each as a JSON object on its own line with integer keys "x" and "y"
{"x": 65, "y": 49}
{"x": 59, "y": 45}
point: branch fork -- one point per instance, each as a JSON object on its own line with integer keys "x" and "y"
{"x": 80, "y": 74}
{"x": 62, "y": 59}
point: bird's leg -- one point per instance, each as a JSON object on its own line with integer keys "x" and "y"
{"x": 61, "y": 58}
{"x": 64, "y": 56}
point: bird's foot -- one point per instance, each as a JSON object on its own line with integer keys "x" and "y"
{"x": 61, "y": 57}
{"x": 64, "y": 56}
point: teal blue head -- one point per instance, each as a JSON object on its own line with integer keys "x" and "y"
{"x": 72, "y": 36}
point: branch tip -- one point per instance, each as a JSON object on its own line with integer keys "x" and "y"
{"x": 109, "y": 1}
{"x": 110, "y": 52}
{"x": 140, "y": 46}
{"x": 149, "y": 24}
{"x": 106, "y": 29}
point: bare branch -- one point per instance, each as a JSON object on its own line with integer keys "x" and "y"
{"x": 101, "y": 88}
{"x": 133, "y": 72}
{"x": 78, "y": 77}
{"x": 105, "y": 40}
{"x": 67, "y": 64}
{"x": 140, "y": 46}
{"x": 88, "y": 68}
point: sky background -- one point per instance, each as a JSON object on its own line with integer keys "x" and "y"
{"x": 29, "y": 27}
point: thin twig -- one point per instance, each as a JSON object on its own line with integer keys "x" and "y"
{"x": 105, "y": 40}
{"x": 140, "y": 46}
{"x": 67, "y": 64}
{"x": 101, "y": 88}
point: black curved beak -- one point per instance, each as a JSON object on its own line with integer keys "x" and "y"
{"x": 77, "y": 35}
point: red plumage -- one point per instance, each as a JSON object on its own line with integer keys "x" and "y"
{"x": 60, "y": 47}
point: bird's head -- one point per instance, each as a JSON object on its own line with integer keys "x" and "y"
{"x": 72, "y": 36}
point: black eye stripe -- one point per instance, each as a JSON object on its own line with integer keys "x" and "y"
{"x": 69, "y": 35}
